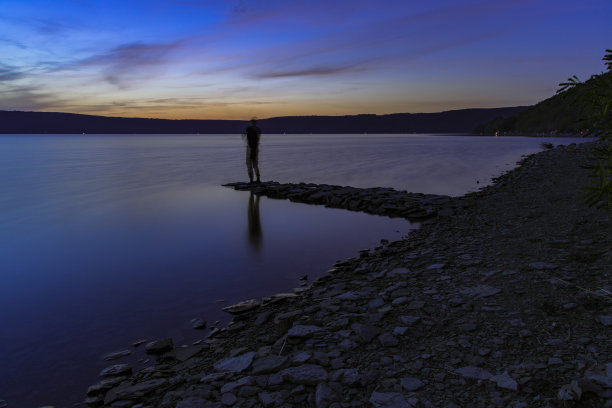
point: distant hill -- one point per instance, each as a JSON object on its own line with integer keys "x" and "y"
{"x": 555, "y": 115}
{"x": 454, "y": 121}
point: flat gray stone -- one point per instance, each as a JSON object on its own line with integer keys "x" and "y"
{"x": 505, "y": 381}
{"x": 230, "y": 386}
{"x": 117, "y": 355}
{"x": 480, "y": 291}
{"x": 389, "y": 400}
{"x": 269, "y": 364}
{"x": 436, "y": 266}
{"x": 387, "y": 340}
{"x": 473, "y": 372}
{"x": 159, "y": 346}
{"x": 410, "y": 320}
{"x": 606, "y": 320}
{"x": 324, "y": 395}
{"x": 301, "y": 357}
{"x": 305, "y": 374}
{"x": 116, "y": 370}
{"x": 416, "y": 304}
{"x": 349, "y": 296}
{"x": 196, "y": 402}
{"x": 235, "y": 364}
{"x": 301, "y": 331}
{"x": 542, "y": 266}
{"x": 411, "y": 383}
{"x": 198, "y": 324}
{"x": 242, "y": 307}
{"x": 271, "y": 399}
{"x": 228, "y": 399}
{"x": 400, "y": 300}
{"x": 365, "y": 331}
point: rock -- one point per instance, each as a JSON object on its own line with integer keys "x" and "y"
{"x": 376, "y": 303}
{"x": 230, "y": 386}
{"x": 309, "y": 374}
{"x": 389, "y": 400}
{"x": 541, "y": 266}
{"x": 300, "y": 357}
{"x": 228, "y": 399}
{"x": 570, "y": 392}
{"x": 365, "y": 331}
{"x": 300, "y": 331}
{"x": 116, "y": 371}
{"x": 605, "y": 320}
{"x": 468, "y": 327}
{"x": 416, "y": 304}
{"x": 505, "y": 381}
{"x": 242, "y": 307}
{"x": 235, "y": 364}
{"x": 262, "y": 318}
{"x": 601, "y": 380}
{"x": 198, "y": 324}
{"x": 159, "y": 346}
{"x": 473, "y": 372}
{"x": 209, "y": 378}
{"x": 480, "y": 291}
{"x": 349, "y": 296}
{"x": 411, "y": 383}
{"x": 269, "y": 364}
{"x": 139, "y": 342}
{"x": 553, "y": 361}
{"x": 196, "y": 402}
{"x": 400, "y": 331}
{"x": 400, "y": 301}
{"x": 271, "y": 399}
{"x": 387, "y": 340}
{"x": 436, "y": 266}
{"x": 117, "y": 355}
{"x": 410, "y": 320}
{"x": 324, "y": 395}
{"x": 142, "y": 388}
{"x": 185, "y": 353}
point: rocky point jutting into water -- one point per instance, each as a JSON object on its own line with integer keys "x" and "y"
{"x": 502, "y": 299}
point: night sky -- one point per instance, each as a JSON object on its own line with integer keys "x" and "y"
{"x": 237, "y": 59}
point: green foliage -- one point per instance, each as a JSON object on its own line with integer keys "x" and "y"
{"x": 593, "y": 102}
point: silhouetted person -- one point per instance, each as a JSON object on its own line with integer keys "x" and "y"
{"x": 255, "y": 234}
{"x": 253, "y": 133}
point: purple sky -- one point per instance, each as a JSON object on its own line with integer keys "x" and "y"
{"x": 241, "y": 58}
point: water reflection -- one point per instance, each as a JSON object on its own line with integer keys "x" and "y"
{"x": 255, "y": 233}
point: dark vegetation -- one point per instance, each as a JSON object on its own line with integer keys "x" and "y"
{"x": 455, "y": 121}
{"x": 571, "y": 111}
{"x": 593, "y": 103}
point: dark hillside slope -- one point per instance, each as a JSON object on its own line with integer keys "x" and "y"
{"x": 455, "y": 121}
{"x": 557, "y": 114}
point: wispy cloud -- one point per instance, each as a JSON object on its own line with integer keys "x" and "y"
{"x": 313, "y": 71}
{"x": 8, "y": 73}
{"x": 129, "y": 62}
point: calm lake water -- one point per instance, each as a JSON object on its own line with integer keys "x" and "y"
{"x": 108, "y": 239}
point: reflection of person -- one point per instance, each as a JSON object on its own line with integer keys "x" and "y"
{"x": 253, "y": 133}
{"x": 255, "y": 234}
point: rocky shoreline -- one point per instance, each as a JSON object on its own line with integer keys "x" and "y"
{"x": 503, "y": 299}
{"x": 377, "y": 201}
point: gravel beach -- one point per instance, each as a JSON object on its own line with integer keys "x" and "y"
{"x": 502, "y": 298}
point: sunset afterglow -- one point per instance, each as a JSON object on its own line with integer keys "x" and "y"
{"x": 237, "y": 59}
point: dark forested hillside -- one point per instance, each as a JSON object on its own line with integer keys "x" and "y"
{"x": 557, "y": 114}
{"x": 455, "y": 121}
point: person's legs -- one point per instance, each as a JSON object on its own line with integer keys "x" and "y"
{"x": 255, "y": 163}
{"x": 249, "y": 164}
